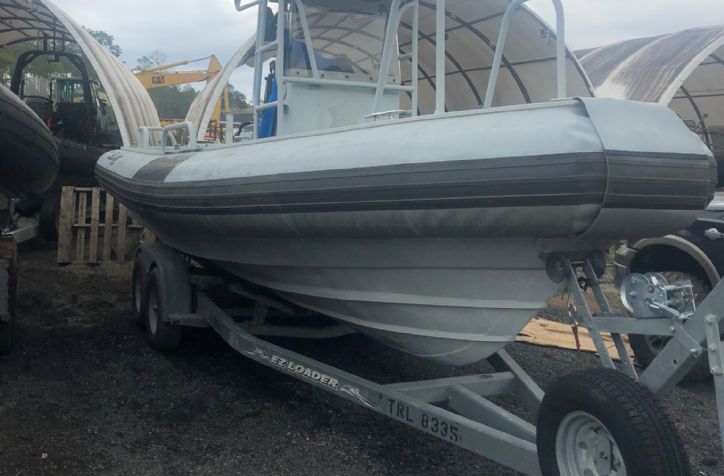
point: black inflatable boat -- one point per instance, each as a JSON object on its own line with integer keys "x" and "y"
{"x": 29, "y": 158}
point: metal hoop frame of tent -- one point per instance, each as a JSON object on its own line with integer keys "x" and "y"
{"x": 527, "y": 63}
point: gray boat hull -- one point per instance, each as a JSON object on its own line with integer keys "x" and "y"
{"x": 430, "y": 234}
{"x": 452, "y": 300}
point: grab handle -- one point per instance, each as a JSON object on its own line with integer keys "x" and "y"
{"x": 502, "y": 37}
{"x": 241, "y": 8}
{"x": 188, "y": 125}
{"x": 145, "y": 132}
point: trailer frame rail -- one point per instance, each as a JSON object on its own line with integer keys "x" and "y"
{"x": 503, "y": 437}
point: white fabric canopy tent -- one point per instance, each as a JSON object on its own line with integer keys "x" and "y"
{"x": 38, "y": 20}
{"x": 683, "y": 70}
{"x": 527, "y": 74}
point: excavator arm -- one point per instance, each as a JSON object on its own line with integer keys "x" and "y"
{"x": 159, "y": 76}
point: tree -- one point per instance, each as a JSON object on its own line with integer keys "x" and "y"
{"x": 173, "y": 103}
{"x": 106, "y": 40}
{"x": 237, "y": 99}
{"x": 152, "y": 60}
{"x": 158, "y": 57}
{"x": 144, "y": 62}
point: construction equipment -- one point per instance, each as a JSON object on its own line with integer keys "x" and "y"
{"x": 73, "y": 107}
{"x": 79, "y": 114}
{"x": 160, "y": 76}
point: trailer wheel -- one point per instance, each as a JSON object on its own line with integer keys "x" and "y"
{"x": 601, "y": 422}
{"x": 162, "y": 336}
{"x": 6, "y": 337}
{"x": 139, "y": 285}
{"x": 646, "y": 347}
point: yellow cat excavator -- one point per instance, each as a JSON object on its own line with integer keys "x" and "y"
{"x": 161, "y": 76}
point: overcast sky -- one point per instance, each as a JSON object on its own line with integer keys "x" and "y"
{"x": 189, "y": 29}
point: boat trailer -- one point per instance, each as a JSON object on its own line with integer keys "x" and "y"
{"x": 458, "y": 409}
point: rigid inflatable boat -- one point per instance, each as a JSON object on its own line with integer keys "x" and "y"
{"x": 28, "y": 152}
{"x": 430, "y": 233}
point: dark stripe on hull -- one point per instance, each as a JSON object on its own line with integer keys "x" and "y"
{"x": 660, "y": 181}
{"x": 158, "y": 169}
{"x": 635, "y": 180}
{"x": 570, "y": 179}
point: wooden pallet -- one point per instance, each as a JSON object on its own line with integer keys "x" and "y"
{"x": 93, "y": 227}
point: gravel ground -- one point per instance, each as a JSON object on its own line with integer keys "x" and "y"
{"x": 83, "y": 394}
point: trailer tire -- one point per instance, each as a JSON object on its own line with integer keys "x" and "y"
{"x": 646, "y": 348}
{"x": 140, "y": 276}
{"x": 593, "y": 421}
{"x": 162, "y": 335}
{"x": 6, "y": 337}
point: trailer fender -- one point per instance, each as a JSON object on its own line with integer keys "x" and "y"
{"x": 625, "y": 258}
{"x": 175, "y": 289}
